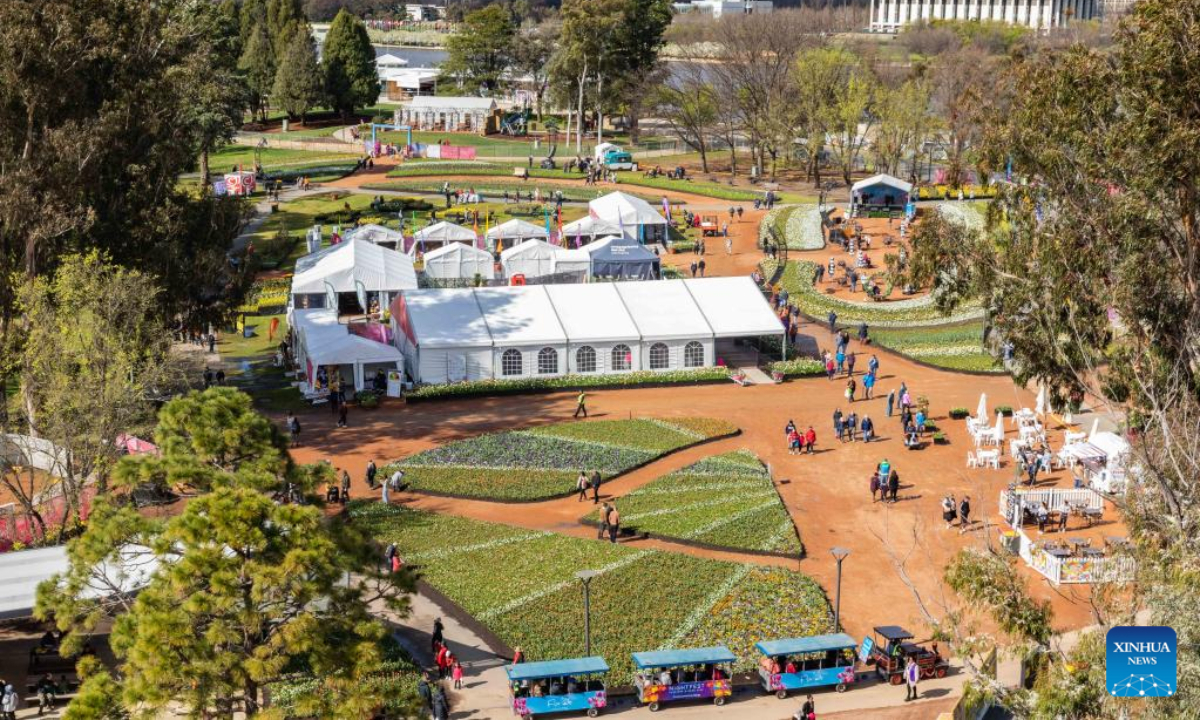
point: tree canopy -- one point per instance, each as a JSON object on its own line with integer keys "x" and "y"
{"x": 482, "y": 51}
{"x": 351, "y": 79}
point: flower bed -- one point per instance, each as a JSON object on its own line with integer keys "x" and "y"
{"x": 799, "y": 226}
{"x": 570, "y": 382}
{"x": 800, "y": 367}
{"x": 545, "y": 462}
{"x": 962, "y": 213}
{"x": 727, "y": 502}
{"x": 956, "y": 347}
{"x": 521, "y": 585}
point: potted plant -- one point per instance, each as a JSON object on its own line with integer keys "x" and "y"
{"x": 1005, "y": 410}
{"x": 959, "y": 413}
{"x": 939, "y": 438}
{"x": 367, "y": 399}
{"x": 777, "y": 376}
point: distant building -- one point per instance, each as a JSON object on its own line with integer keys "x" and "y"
{"x": 471, "y": 114}
{"x": 407, "y": 83}
{"x": 720, "y": 8}
{"x": 418, "y": 12}
{"x": 892, "y": 15}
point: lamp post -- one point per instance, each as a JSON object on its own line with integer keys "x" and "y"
{"x": 586, "y": 576}
{"x": 840, "y": 554}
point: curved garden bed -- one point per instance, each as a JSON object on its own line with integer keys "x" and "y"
{"x": 544, "y": 463}
{"x": 799, "y": 226}
{"x": 635, "y": 379}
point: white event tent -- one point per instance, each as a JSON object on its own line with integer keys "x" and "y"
{"x": 525, "y": 331}
{"x": 459, "y": 261}
{"x": 587, "y": 229}
{"x": 636, "y": 218}
{"x": 575, "y": 262}
{"x": 532, "y": 258}
{"x": 439, "y": 234}
{"x": 352, "y": 266}
{"x": 322, "y": 341}
{"x": 378, "y": 234}
{"x": 514, "y": 232}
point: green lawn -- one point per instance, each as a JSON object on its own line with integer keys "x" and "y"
{"x": 954, "y": 347}
{"x": 521, "y": 585}
{"x": 231, "y": 156}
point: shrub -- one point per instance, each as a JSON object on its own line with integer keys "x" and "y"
{"x": 800, "y": 367}
{"x": 402, "y": 205}
{"x": 1005, "y": 410}
{"x": 940, "y": 438}
{"x": 367, "y": 398}
{"x": 959, "y": 413}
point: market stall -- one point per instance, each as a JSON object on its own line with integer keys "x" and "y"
{"x": 635, "y": 218}
{"x": 622, "y": 259}
{"x": 587, "y": 229}
{"x": 377, "y": 234}
{"x": 514, "y": 232}
{"x": 459, "y": 261}
{"x": 530, "y": 259}
{"x": 355, "y": 276}
{"x": 439, "y": 234}
{"x": 325, "y": 348}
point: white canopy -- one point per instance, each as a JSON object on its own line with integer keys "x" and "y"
{"x": 21, "y": 573}
{"x": 572, "y": 261}
{"x": 532, "y": 258}
{"x": 734, "y": 307}
{"x": 328, "y": 342}
{"x": 442, "y": 319}
{"x": 577, "y": 310}
{"x": 882, "y": 179}
{"x": 441, "y": 233}
{"x": 1040, "y": 407}
{"x": 459, "y": 261}
{"x": 376, "y": 234}
{"x": 664, "y": 310}
{"x": 626, "y": 212}
{"x": 516, "y": 229}
{"x": 587, "y": 228}
{"x": 520, "y": 316}
{"x": 1112, "y": 444}
{"x": 352, "y": 261}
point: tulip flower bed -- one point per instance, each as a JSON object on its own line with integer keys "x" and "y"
{"x": 521, "y": 584}
{"x": 727, "y": 502}
{"x": 542, "y": 463}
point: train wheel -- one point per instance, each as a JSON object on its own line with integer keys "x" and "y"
{"x": 781, "y": 694}
{"x": 719, "y": 701}
{"x": 593, "y": 712}
{"x": 653, "y": 707}
{"x": 941, "y": 672}
{"x": 896, "y": 679}
{"x": 841, "y": 687}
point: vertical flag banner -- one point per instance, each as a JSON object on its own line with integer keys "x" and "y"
{"x": 331, "y": 300}
{"x": 360, "y": 291}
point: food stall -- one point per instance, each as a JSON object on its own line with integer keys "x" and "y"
{"x": 691, "y": 674}
{"x": 557, "y": 686}
{"x": 808, "y": 662}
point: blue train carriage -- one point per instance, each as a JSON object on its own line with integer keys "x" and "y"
{"x": 691, "y": 674}
{"x": 800, "y": 663}
{"x": 558, "y": 686}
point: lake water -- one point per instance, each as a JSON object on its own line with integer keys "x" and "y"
{"x": 416, "y": 57}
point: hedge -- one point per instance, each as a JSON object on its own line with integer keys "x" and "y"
{"x": 473, "y": 388}
{"x": 800, "y": 367}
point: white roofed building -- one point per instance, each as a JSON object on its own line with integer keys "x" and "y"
{"x": 528, "y": 338}
{"x": 348, "y": 273}
{"x": 513, "y": 232}
{"x": 634, "y": 217}
{"x": 599, "y": 342}
{"x": 378, "y": 234}
{"x": 531, "y": 259}
{"x": 440, "y": 112}
{"x": 443, "y": 335}
{"x": 586, "y": 229}
{"x": 882, "y": 191}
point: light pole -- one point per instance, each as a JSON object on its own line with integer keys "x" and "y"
{"x": 840, "y": 554}
{"x": 586, "y": 576}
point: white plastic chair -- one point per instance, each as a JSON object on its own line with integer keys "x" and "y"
{"x": 972, "y": 459}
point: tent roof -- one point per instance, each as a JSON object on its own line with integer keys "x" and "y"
{"x": 22, "y": 572}
{"x": 517, "y": 228}
{"x": 441, "y": 102}
{"x": 443, "y": 231}
{"x": 446, "y": 318}
{"x": 340, "y": 265}
{"x": 663, "y": 310}
{"x": 734, "y": 306}
{"x": 623, "y": 209}
{"x": 328, "y": 342}
{"x": 1111, "y": 443}
{"x": 588, "y": 225}
{"x": 804, "y": 645}
{"x": 457, "y": 249}
{"x": 537, "y": 248}
{"x": 557, "y": 668}
{"x": 592, "y": 312}
{"x": 520, "y": 316}
{"x": 374, "y": 233}
{"x": 390, "y": 59}
{"x": 882, "y": 179}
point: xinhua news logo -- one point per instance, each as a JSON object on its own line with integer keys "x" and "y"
{"x": 1140, "y": 661}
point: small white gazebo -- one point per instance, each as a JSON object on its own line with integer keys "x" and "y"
{"x": 515, "y": 232}
{"x": 377, "y": 235}
{"x": 440, "y": 234}
{"x": 532, "y": 258}
{"x": 459, "y": 261}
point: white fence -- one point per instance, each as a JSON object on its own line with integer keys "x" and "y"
{"x": 1074, "y": 570}
{"x": 1013, "y": 502}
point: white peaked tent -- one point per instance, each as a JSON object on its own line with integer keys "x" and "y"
{"x": 572, "y": 261}
{"x": 439, "y": 234}
{"x": 734, "y": 307}
{"x": 456, "y": 261}
{"x": 533, "y": 258}
{"x": 636, "y": 218}
{"x": 587, "y": 229}
{"x": 347, "y": 266}
{"x": 376, "y": 234}
{"x": 323, "y": 341}
{"x": 514, "y": 232}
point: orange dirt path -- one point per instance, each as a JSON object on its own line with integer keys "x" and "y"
{"x": 826, "y": 493}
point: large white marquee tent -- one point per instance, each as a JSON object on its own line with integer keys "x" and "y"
{"x": 635, "y": 218}
{"x": 459, "y": 261}
{"x": 323, "y": 341}
{"x": 351, "y": 266}
{"x": 550, "y": 330}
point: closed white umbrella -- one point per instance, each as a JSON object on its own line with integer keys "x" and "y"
{"x": 981, "y": 412}
{"x": 1000, "y": 422}
{"x": 1040, "y": 408}
{"x": 1095, "y": 429}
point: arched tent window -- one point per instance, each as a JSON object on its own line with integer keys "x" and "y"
{"x": 547, "y": 361}
{"x": 510, "y": 363}
{"x": 585, "y": 359}
{"x": 622, "y": 358}
{"x": 693, "y": 355}
{"x": 660, "y": 356}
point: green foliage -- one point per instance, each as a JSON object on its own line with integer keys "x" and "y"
{"x": 799, "y": 367}
{"x": 992, "y": 583}
{"x": 958, "y": 413}
{"x": 258, "y": 66}
{"x": 298, "y": 83}
{"x": 99, "y": 695}
{"x": 351, "y": 79}
{"x": 568, "y": 382}
{"x": 478, "y": 55}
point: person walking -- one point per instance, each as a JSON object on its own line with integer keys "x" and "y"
{"x": 740, "y": 210}
{"x": 894, "y": 485}
{"x": 850, "y": 360}
{"x": 868, "y": 429}
{"x": 342, "y": 413}
{"x": 8, "y": 702}
{"x": 456, "y": 674}
{"x": 603, "y": 522}
{"x": 212, "y": 343}
{"x": 851, "y": 387}
{"x": 869, "y": 386}
{"x": 851, "y": 425}
{"x": 873, "y": 365}
{"x": 425, "y": 692}
{"x": 876, "y": 486}
{"x": 371, "y": 471}
{"x": 581, "y": 404}
{"x": 810, "y": 440}
{"x": 596, "y": 480}
{"x": 862, "y": 332}
{"x": 437, "y": 637}
{"x": 345, "y": 485}
{"x": 614, "y": 523}
{"x": 841, "y": 360}
{"x": 692, "y": 267}
{"x": 441, "y": 706}
{"x": 581, "y": 484}
{"x": 293, "y": 426}
{"x": 702, "y": 265}
{"x": 728, "y": 246}
{"x": 832, "y": 321}
{"x": 837, "y": 423}
{"x": 912, "y": 674}
{"x": 964, "y": 514}
{"x": 948, "y": 510}
{"x": 891, "y": 402}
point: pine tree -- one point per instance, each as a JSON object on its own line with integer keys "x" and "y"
{"x": 298, "y": 82}
{"x": 284, "y": 18}
{"x": 258, "y": 63}
{"x": 350, "y": 76}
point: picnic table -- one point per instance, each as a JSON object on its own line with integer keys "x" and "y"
{"x": 1057, "y": 551}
